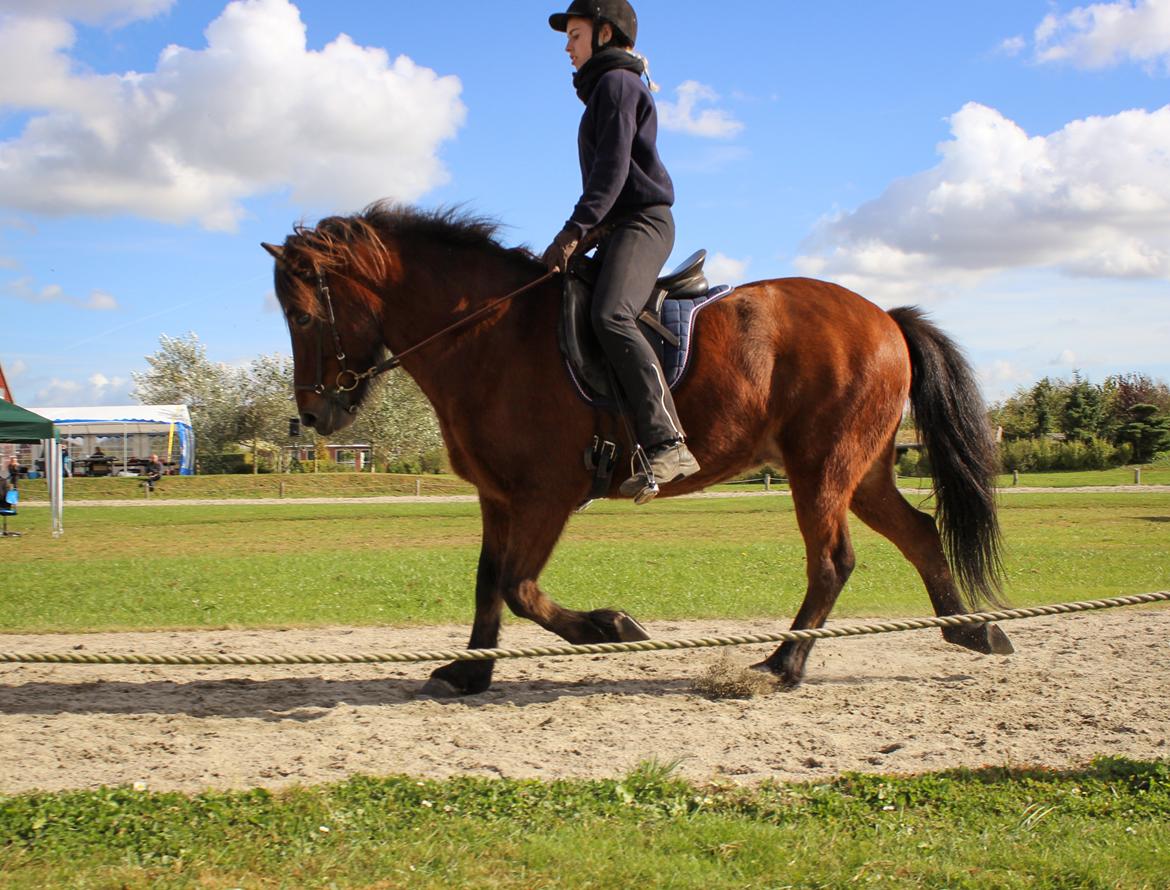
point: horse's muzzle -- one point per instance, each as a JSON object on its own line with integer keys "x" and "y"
{"x": 327, "y": 414}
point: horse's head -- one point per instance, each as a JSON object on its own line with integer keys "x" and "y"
{"x": 324, "y": 283}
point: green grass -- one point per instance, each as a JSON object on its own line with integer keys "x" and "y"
{"x": 295, "y": 485}
{"x": 359, "y": 485}
{"x": 360, "y": 563}
{"x": 1104, "y": 826}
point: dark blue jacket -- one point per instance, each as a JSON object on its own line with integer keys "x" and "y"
{"x": 617, "y": 143}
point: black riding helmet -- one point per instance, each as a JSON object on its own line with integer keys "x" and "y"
{"x": 618, "y": 13}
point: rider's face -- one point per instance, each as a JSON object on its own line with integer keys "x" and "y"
{"x": 580, "y": 43}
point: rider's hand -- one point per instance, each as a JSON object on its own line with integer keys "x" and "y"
{"x": 556, "y": 255}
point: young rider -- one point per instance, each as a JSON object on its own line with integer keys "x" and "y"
{"x": 627, "y": 190}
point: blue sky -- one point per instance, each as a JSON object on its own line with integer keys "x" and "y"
{"x": 1005, "y": 164}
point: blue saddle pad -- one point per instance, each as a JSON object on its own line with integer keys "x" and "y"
{"x": 679, "y": 317}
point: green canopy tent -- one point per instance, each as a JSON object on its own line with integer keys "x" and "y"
{"x": 19, "y": 425}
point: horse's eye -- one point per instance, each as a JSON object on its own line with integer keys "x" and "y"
{"x": 303, "y": 319}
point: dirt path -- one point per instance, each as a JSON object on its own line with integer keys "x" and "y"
{"x": 1078, "y": 687}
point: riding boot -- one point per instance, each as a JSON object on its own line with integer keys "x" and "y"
{"x": 669, "y": 462}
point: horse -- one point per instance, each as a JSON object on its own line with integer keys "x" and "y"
{"x": 794, "y": 372}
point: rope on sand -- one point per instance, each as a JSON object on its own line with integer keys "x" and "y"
{"x": 590, "y": 649}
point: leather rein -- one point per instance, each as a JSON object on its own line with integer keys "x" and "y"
{"x": 347, "y": 379}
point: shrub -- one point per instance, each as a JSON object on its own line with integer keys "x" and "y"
{"x": 907, "y": 464}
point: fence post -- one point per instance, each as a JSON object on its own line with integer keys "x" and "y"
{"x": 1137, "y": 476}
{"x": 767, "y": 482}
{"x": 282, "y": 489}
{"x": 417, "y": 487}
{"x": 1015, "y": 477}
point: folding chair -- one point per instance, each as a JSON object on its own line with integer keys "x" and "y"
{"x": 8, "y": 508}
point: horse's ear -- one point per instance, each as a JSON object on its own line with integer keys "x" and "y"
{"x": 277, "y": 252}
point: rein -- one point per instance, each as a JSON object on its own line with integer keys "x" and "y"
{"x": 347, "y": 380}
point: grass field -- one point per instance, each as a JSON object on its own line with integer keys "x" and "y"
{"x": 294, "y": 564}
{"x": 362, "y": 563}
{"x": 359, "y": 485}
{"x": 1101, "y": 827}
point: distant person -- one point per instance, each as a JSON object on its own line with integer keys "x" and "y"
{"x": 13, "y": 472}
{"x": 154, "y": 471}
{"x": 66, "y": 462}
{"x": 97, "y": 452}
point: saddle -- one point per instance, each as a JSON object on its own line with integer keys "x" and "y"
{"x": 667, "y": 321}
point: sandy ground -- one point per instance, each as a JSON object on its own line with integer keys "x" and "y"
{"x": 1078, "y": 686}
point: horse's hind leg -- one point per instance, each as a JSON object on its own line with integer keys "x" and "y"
{"x": 516, "y": 546}
{"x": 878, "y": 503}
{"x": 822, "y": 517}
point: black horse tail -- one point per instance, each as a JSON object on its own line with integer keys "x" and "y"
{"x": 952, "y": 424}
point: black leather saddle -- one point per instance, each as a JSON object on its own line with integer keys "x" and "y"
{"x": 667, "y": 321}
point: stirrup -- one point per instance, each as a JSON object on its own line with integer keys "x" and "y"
{"x": 650, "y": 489}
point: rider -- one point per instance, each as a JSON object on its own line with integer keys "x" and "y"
{"x": 627, "y": 190}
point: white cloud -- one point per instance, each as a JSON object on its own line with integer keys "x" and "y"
{"x": 683, "y": 116}
{"x": 13, "y": 222}
{"x": 1092, "y": 199}
{"x": 26, "y": 289}
{"x": 7, "y": 262}
{"x": 101, "y": 301}
{"x": 1066, "y": 357}
{"x": 722, "y": 269}
{"x": 1105, "y": 34}
{"x": 17, "y": 367}
{"x": 96, "y": 389}
{"x": 271, "y": 304}
{"x": 1001, "y": 374}
{"x": 253, "y": 112}
{"x": 1013, "y": 46}
{"x": 91, "y": 12}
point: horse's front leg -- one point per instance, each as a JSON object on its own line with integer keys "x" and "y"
{"x": 510, "y": 573}
{"x": 470, "y": 677}
{"x": 535, "y": 529}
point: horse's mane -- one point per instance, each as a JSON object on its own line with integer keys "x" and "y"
{"x": 359, "y": 242}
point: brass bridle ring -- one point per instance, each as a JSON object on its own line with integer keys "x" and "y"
{"x": 341, "y": 375}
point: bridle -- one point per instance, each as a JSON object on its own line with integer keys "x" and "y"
{"x": 347, "y": 379}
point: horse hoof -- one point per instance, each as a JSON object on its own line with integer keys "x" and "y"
{"x": 783, "y": 680}
{"x": 986, "y": 639}
{"x": 438, "y": 688}
{"x": 999, "y": 642}
{"x": 629, "y": 630}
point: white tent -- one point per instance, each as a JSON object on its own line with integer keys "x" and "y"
{"x": 142, "y": 423}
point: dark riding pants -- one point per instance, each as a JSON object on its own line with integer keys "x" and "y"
{"x": 630, "y": 260}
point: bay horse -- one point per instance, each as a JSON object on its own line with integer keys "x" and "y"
{"x": 793, "y": 371}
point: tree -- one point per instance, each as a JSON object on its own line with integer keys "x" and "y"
{"x": 1123, "y": 391}
{"x": 264, "y": 405}
{"x": 1015, "y": 415}
{"x": 181, "y": 374}
{"x": 397, "y": 421}
{"x": 1046, "y": 401}
{"x": 1147, "y": 431}
{"x": 1083, "y": 413}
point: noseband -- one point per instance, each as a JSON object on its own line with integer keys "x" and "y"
{"x": 347, "y": 380}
